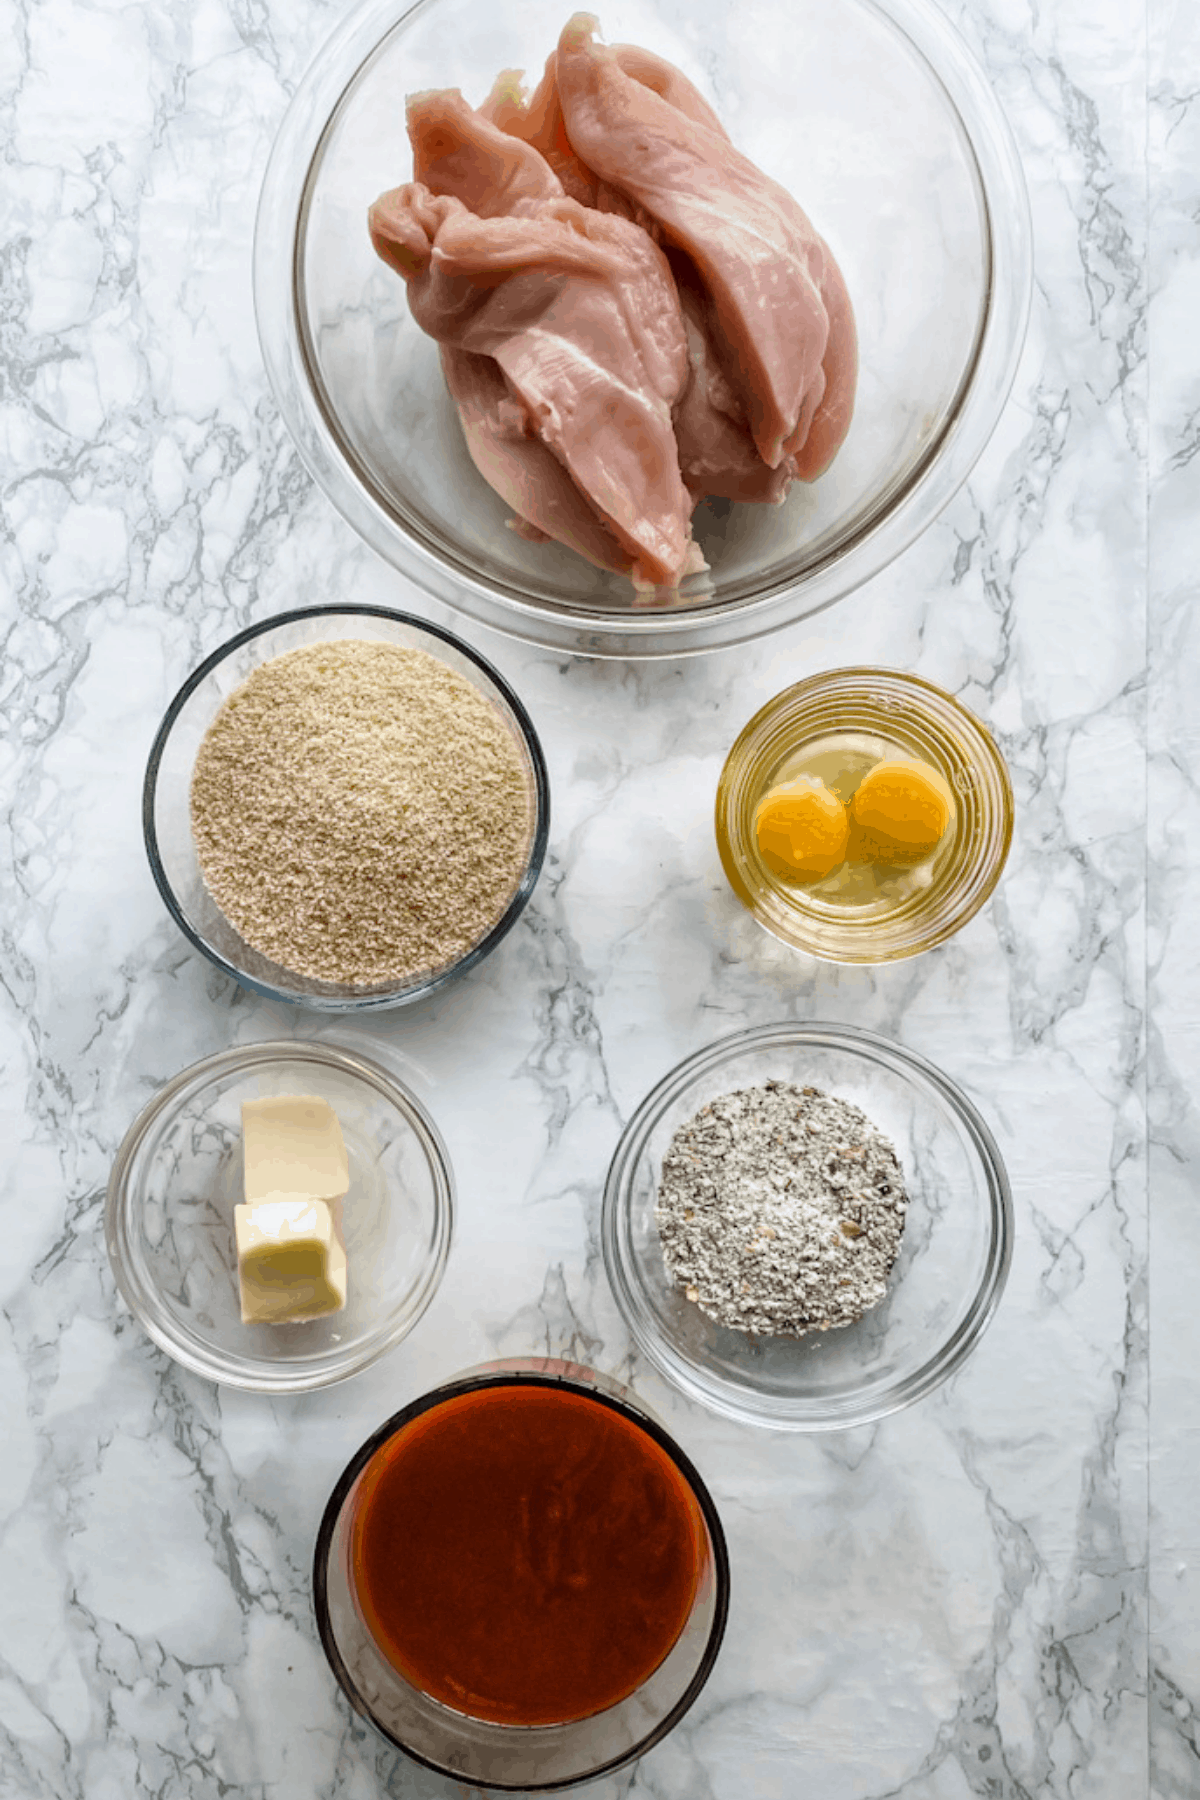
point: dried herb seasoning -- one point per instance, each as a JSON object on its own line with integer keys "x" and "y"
{"x": 780, "y": 1210}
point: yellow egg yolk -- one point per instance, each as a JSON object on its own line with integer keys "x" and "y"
{"x": 801, "y": 832}
{"x": 900, "y": 812}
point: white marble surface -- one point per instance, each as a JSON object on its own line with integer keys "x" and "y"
{"x": 994, "y": 1594}
{"x": 1173, "y": 819}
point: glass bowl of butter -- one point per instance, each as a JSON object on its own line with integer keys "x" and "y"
{"x": 279, "y": 1216}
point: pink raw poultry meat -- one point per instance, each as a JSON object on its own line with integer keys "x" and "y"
{"x": 525, "y": 473}
{"x": 539, "y": 120}
{"x": 668, "y": 82}
{"x": 831, "y": 421}
{"x": 717, "y": 455}
{"x": 604, "y": 387}
{"x": 538, "y": 123}
{"x": 579, "y": 312}
{"x": 763, "y": 266}
{"x": 458, "y": 151}
{"x": 717, "y": 452}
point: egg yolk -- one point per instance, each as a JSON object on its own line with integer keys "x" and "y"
{"x": 801, "y": 832}
{"x": 900, "y": 812}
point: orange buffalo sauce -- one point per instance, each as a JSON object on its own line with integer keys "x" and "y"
{"x": 525, "y": 1554}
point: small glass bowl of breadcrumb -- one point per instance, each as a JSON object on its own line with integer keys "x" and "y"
{"x": 864, "y": 815}
{"x": 345, "y": 807}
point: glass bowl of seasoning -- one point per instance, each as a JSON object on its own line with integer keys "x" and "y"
{"x": 864, "y": 815}
{"x": 171, "y": 1233}
{"x": 345, "y": 807}
{"x": 807, "y": 1227}
{"x": 928, "y": 221}
{"x": 520, "y": 1579}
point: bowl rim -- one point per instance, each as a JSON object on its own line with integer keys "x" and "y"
{"x": 985, "y": 746}
{"x": 721, "y": 1395}
{"x": 891, "y": 527}
{"x": 548, "y": 1373}
{"x": 367, "y": 999}
{"x": 141, "y": 1298}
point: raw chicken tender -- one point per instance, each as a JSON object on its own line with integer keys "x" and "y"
{"x": 458, "y": 151}
{"x": 539, "y": 121}
{"x": 579, "y": 313}
{"x": 717, "y": 454}
{"x": 525, "y": 472}
{"x": 632, "y": 316}
{"x": 755, "y": 251}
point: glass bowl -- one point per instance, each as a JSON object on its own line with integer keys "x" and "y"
{"x": 905, "y": 716}
{"x": 942, "y": 1291}
{"x": 168, "y": 1218}
{"x": 166, "y": 814}
{"x": 876, "y": 117}
{"x": 529, "y": 1759}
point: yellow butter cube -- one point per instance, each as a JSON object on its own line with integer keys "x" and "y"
{"x": 293, "y": 1145}
{"x": 291, "y": 1261}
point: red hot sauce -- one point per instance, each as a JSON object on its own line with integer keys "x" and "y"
{"x": 525, "y": 1554}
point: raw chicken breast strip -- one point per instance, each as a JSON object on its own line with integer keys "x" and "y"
{"x": 755, "y": 250}
{"x": 579, "y": 312}
{"x": 539, "y": 120}
{"x": 813, "y": 453}
{"x": 669, "y": 83}
{"x": 513, "y": 460}
{"x": 717, "y": 455}
{"x": 458, "y": 151}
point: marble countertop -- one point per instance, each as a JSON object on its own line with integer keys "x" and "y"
{"x": 991, "y": 1594}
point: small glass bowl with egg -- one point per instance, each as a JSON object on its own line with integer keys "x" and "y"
{"x": 864, "y": 815}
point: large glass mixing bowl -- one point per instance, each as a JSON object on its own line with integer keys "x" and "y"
{"x": 873, "y": 113}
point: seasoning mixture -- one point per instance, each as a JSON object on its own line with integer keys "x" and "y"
{"x": 361, "y": 813}
{"x": 780, "y": 1210}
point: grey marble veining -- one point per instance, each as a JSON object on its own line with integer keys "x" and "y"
{"x": 994, "y": 1594}
{"x": 1172, "y": 770}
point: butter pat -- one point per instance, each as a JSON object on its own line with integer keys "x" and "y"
{"x": 291, "y": 1263}
{"x": 291, "y": 1259}
{"x": 293, "y": 1145}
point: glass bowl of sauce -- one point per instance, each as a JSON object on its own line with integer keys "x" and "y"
{"x": 520, "y": 1579}
{"x": 864, "y": 815}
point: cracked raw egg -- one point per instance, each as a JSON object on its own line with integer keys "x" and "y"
{"x": 801, "y": 832}
{"x": 900, "y": 812}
